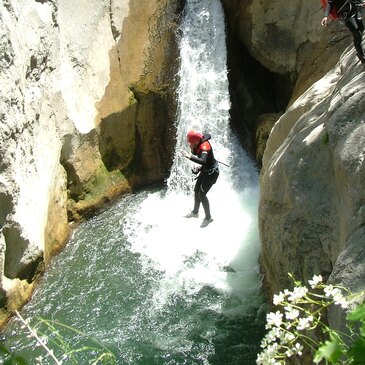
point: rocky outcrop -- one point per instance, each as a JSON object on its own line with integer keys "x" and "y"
{"x": 285, "y": 37}
{"x": 311, "y": 213}
{"x": 312, "y": 184}
{"x": 276, "y": 52}
{"x": 86, "y": 110}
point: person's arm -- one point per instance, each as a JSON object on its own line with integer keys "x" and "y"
{"x": 203, "y": 155}
{"x": 327, "y": 12}
{"x": 200, "y": 160}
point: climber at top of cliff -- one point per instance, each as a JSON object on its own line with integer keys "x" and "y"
{"x": 350, "y": 12}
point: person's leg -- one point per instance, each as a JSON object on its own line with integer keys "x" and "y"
{"x": 196, "y": 195}
{"x": 207, "y": 183}
{"x": 356, "y": 27}
{"x": 359, "y": 21}
{"x": 205, "y": 202}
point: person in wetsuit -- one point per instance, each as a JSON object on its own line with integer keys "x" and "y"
{"x": 208, "y": 172}
{"x": 350, "y": 12}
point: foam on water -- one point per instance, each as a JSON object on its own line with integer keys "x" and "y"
{"x": 224, "y": 254}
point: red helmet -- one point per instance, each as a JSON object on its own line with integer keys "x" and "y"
{"x": 194, "y": 136}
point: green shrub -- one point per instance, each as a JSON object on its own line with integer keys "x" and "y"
{"x": 50, "y": 336}
{"x": 299, "y": 326}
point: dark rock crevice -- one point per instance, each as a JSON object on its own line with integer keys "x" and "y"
{"x": 254, "y": 91}
{"x": 137, "y": 141}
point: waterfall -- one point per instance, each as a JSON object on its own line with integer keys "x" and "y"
{"x": 222, "y": 257}
{"x": 203, "y": 91}
{"x": 152, "y": 285}
{"x": 203, "y": 105}
{"x": 204, "y": 97}
{"x": 192, "y": 257}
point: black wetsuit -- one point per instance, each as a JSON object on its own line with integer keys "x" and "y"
{"x": 208, "y": 175}
{"x": 350, "y": 13}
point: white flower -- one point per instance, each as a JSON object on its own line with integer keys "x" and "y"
{"x": 279, "y": 298}
{"x": 286, "y": 338}
{"x": 275, "y": 333}
{"x": 274, "y": 319}
{"x": 271, "y": 337}
{"x": 265, "y": 358}
{"x": 260, "y": 359}
{"x": 272, "y": 349}
{"x": 298, "y": 348}
{"x": 264, "y": 342}
{"x": 298, "y": 293}
{"x": 289, "y": 352}
{"x": 304, "y": 323}
{"x": 291, "y": 313}
{"x": 344, "y": 304}
{"x": 268, "y": 339}
{"x": 330, "y": 291}
{"x": 336, "y": 295}
{"x": 315, "y": 281}
{"x": 339, "y": 299}
{"x": 287, "y": 292}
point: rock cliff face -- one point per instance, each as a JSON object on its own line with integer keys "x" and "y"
{"x": 276, "y": 51}
{"x": 312, "y": 183}
{"x": 86, "y": 112}
{"x": 311, "y": 211}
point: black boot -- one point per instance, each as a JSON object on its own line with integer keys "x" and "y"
{"x": 361, "y": 58}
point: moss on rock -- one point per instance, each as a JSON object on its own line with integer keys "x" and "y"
{"x": 103, "y": 188}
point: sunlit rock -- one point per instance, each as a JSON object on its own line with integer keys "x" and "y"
{"x": 312, "y": 184}
{"x": 65, "y": 69}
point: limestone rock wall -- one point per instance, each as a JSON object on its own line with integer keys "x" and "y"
{"x": 311, "y": 213}
{"x": 277, "y": 50}
{"x": 312, "y": 184}
{"x": 284, "y": 36}
{"x": 77, "y": 79}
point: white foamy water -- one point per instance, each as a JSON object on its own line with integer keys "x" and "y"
{"x": 224, "y": 254}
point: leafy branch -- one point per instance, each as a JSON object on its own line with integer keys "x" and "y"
{"x": 297, "y": 327}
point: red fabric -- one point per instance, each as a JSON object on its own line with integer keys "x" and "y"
{"x": 205, "y": 146}
{"x": 333, "y": 14}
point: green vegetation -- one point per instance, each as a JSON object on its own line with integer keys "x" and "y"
{"x": 102, "y": 188}
{"x": 104, "y": 181}
{"x": 299, "y": 326}
{"x": 132, "y": 100}
{"x": 325, "y": 138}
{"x": 51, "y": 337}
